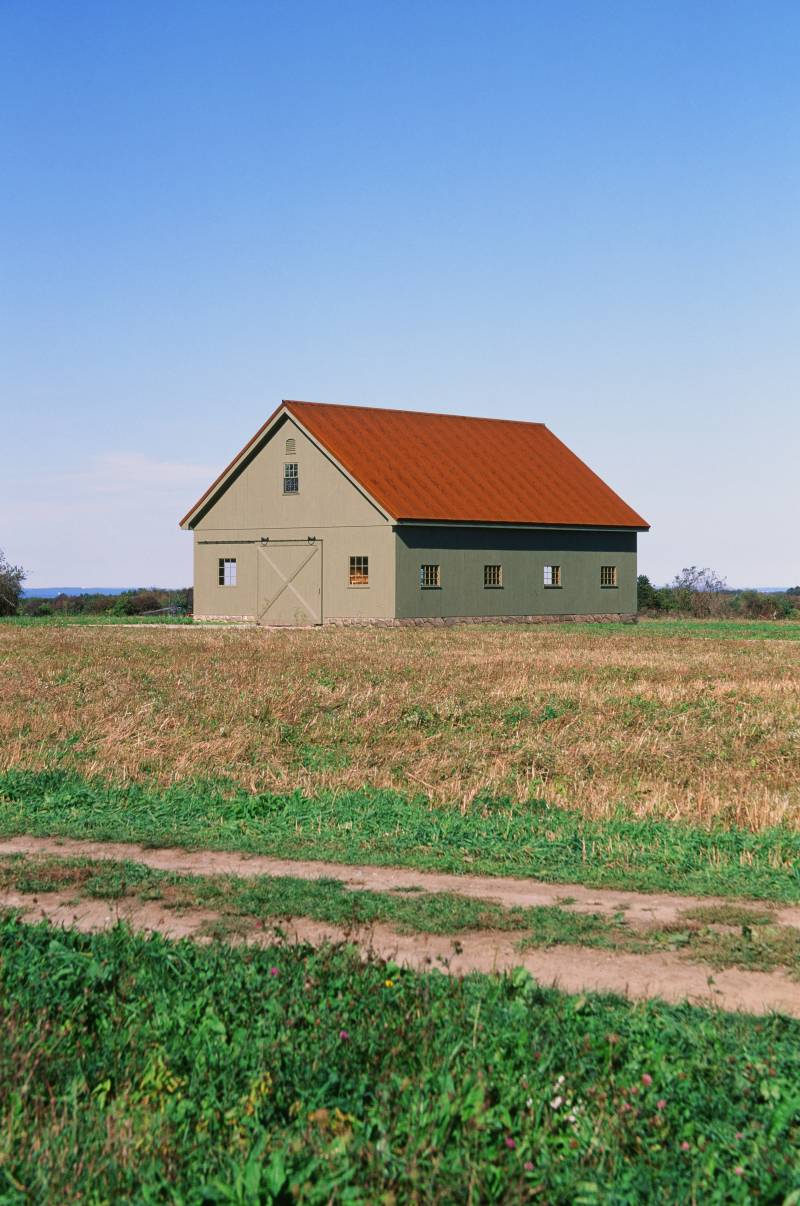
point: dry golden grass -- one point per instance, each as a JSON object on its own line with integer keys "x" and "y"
{"x": 685, "y": 729}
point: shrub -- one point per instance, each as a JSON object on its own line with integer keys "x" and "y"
{"x": 648, "y": 598}
{"x": 757, "y": 605}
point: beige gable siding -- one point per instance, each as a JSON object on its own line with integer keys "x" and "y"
{"x": 256, "y": 499}
{"x": 327, "y": 507}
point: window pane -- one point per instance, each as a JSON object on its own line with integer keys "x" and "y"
{"x": 429, "y": 577}
{"x": 359, "y": 571}
{"x": 291, "y": 477}
{"x": 608, "y": 575}
{"x": 492, "y": 575}
{"x": 227, "y": 571}
{"x": 552, "y": 575}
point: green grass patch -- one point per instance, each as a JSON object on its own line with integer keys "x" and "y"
{"x": 729, "y": 914}
{"x": 493, "y": 837}
{"x": 732, "y": 630}
{"x": 211, "y": 1074}
{"x": 67, "y": 621}
{"x": 273, "y": 898}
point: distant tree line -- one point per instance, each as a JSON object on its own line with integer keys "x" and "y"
{"x": 151, "y": 601}
{"x": 704, "y": 594}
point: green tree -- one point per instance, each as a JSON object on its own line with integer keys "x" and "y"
{"x": 648, "y": 598}
{"x": 11, "y": 579}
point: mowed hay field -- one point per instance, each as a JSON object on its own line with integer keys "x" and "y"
{"x": 703, "y": 731}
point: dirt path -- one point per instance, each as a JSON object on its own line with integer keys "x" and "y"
{"x": 571, "y": 968}
{"x": 640, "y": 908}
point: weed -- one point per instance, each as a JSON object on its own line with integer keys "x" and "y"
{"x": 213, "y": 1073}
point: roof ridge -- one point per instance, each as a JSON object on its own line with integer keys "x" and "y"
{"x": 399, "y": 410}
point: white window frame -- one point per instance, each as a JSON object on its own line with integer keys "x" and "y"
{"x": 291, "y": 480}
{"x": 227, "y": 571}
{"x": 551, "y": 577}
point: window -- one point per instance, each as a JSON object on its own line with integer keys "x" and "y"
{"x": 291, "y": 478}
{"x": 552, "y": 575}
{"x": 291, "y": 446}
{"x": 359, "y": 571}
{"x": 608, "y": 575}
{"x": 227, "y": 571}
{"x": 492, "y": 576}
{"x": 429, "y": 577}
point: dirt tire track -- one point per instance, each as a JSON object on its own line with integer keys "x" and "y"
{"x": 639, "y": 908}
{"x": 570, "y": 968}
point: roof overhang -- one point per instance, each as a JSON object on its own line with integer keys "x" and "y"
{"x": 501, "y": 523}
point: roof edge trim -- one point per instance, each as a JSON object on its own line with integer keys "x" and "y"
{"x": 505, "y": 523}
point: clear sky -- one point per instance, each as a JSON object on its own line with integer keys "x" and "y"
{"x": 580, "y": 213}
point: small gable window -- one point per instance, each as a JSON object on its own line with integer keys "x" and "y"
{"x": 291, "y": 477}
{"x": 552, "y": 575}
{"x": 359, "y": 571}
{"x": 227, "y": 571}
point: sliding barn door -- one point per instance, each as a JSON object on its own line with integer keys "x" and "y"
{"x": 289, "y": 582}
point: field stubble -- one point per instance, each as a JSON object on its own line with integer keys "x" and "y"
{"x": 701, "y": 731}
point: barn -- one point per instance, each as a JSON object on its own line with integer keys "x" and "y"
{"x": 352, "y": 514}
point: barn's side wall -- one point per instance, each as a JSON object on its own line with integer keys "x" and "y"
{"x": 462, "y": 553}
{"x": 327, "y": 507}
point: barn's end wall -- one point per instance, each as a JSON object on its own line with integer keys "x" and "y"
{"x": 462, "y": 554}
{"x": 327, "y": 507}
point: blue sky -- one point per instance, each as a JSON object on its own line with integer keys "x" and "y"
{"x": 578, "y": 213}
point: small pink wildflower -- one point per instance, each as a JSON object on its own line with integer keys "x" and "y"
{"x": 739, "y": 1170}
{"x": 510, "y": 1143}
{"x": 528, "y": 1166}
{"x": 647, "y": 1079}
{"x": 273, "y": 971}
{"x": 685, "y": 1146}
{"x": 661, "y": 1105}
{"x": 739, "y": 1135}
{"x": 344, "y": 1035}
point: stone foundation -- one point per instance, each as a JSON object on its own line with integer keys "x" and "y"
{"x": 452, "y": 621}
{"x": 438, "y": 621}
{"x": 226, "y": 619}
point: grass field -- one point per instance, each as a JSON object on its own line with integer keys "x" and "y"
{"x": 663, "y": 756}
{"x": 133, "y": 1069}
{"x": 698, "y": 731}
{"x": 88, "y": 620}
{"x": 491, "y": 836}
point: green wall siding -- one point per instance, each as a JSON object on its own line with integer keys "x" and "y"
{"x": 523, "y": 553}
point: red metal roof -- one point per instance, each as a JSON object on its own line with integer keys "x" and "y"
{"x": 450, "y": 468}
